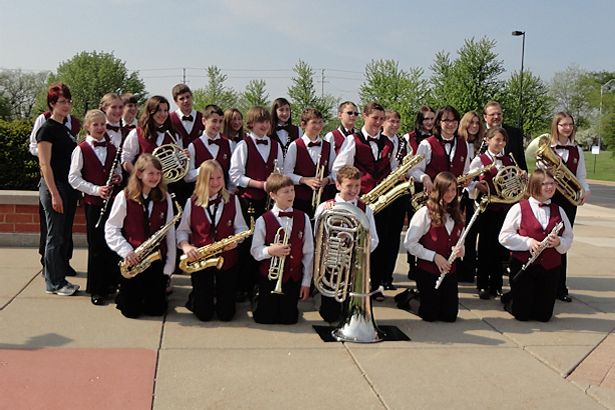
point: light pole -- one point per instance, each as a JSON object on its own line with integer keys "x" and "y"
{"x": 606, "y": 86}
{"x": 517, "y": 33}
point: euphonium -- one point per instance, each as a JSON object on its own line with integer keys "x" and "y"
{"x": 392, "y": 179}
{"x": 420, "y": 198}
{"x": 567, "y": 183}
{"x": 341, "y": 270}
{"x": 147, "y": 251}
{"x": 208, "y": 254}
{"x": 276, "y": 266}
{"x": 174, "y": 162}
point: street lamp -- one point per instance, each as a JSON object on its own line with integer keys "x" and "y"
{"x": 606, "y": 86}
{"x": 517, "y": 33}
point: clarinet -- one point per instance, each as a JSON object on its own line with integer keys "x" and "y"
{"x": 541, "y": 247}
{"x": 116, "y": 160}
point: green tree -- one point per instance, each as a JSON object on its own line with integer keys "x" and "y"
{"x": 90, "y": 75}
{"x": 570, "y": 90}
{"x": 537, "y": 104}
{"x": 19, "y": 91}
{"x": 254, "y": 94}
{"x": 215, "y": 92}
{"x": 470, "y": 80}
{"x": 394, "y": 88}
{"x": 302, "y": 93}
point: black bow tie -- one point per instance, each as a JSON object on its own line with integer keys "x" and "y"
{"x": 314, "y": 144}
{"x": 130, "y": 126}
{"x": 282, "y": 127}
{"x": 347, "y": 132}
{"x": 215, "y": 201}
{"x": 264, "y": 142}
{"x": 217, "y": 142}
{"x": 114, "y": 128}
{"x": 99, "y": 144}
{"x": 372, "y": 139}
{"x": 187, "y": 118}
{"x": 286, "y": 214}
{"x": 566, "y": 147}
{"x": 543, "y": 204}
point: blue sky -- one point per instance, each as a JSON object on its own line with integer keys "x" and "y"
{"x": 246, "y": 39}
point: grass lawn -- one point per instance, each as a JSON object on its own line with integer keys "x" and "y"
{"x": 605, "y": 165}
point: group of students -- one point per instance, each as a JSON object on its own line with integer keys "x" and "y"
{"x": 271, "y": 173}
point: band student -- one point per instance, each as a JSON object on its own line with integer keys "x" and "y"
{"x": 283, "y": 129}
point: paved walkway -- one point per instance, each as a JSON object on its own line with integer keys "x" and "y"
{"x": 65, "y": 353}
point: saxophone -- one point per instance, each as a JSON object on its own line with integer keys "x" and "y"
{"x": 420, "y": 198}
{"x": 397, "y": 191}
{"x": 392, "y": 179}
{"x": 147, "y": 251}
{"x": 208, "y": 254}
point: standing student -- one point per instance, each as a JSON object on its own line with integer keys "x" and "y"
{"x": 491, "y": 255}
{"x": 371, "y": 153}
{"x": 492, "y": 114}
{"x": 91, "y": 165}
{"x": 131, "y": 109}
{"x": 113, "y": 107}
{"x": 432, "y": 235}
{"x": 283, "y": 129}
{"x": 187, "y": 121}
{"x": 347, "y": 112}
{"x": 232, "y": 129}
{"x": 527, "y": 224}
{"x": 210, "y": 215}
{"x": 55, "y": 145}
{"x": 423, "y": 127}
{"x": 210, "y": 145}
{"x": 298, "y": 254}
{"x": 471, "y": 130}
{"x": 348, "y": 183}
{"x": 562, "y": 142}
{"x": 138, "y": 212}
{"x": 253, "y": 160}
{"x": 305, "y": 156}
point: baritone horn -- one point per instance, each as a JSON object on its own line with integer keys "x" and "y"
{"x": 567, "y": 183}
{"x": 341, "y": 271}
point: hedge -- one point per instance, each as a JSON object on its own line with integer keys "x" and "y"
{"x": 18, "y": 168}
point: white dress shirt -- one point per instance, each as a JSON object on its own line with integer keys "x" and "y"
{"x": 75, "y": 177}
{"x": 188, "y": 125}
{"x": 239, "y": 159}
{"x": 348, "y": 150}
{"x": 419, "y": 226}
{"x": 132, "y": 149}
{"x": 115, "y": 136}
{"x": 259, "y": 248}
{"x": 119, "y": 244}
{"x": 291, "y": 159}
{"x": 509, "y": 235}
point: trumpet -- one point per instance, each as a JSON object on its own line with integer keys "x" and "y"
{"x": 420, "y": 198}
{"x": 276, "y": 266}
{"x": 320, "y": 173}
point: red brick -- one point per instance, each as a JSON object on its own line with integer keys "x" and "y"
{"x": 79, "y": 229}
{"x": 7, "y": 208}
{"x": 19, "y": 218}
{"x": 26, "y": 209}
{"x": 7, "y": 227}
{"x": 27, "y": 227}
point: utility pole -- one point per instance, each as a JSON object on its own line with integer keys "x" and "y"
{"x": 184, "y": 76}
{"x": 322, "y": 83}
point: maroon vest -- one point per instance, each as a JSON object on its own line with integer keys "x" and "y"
{"x": 372, "y": 170}
{"x": 550, "y": 258}
{"x": 306, "y": 168}
{"x": 573, "y": 159}
{"x": 95, "y": 172}
{"x": 440, "y": 161}
{"x": 438, "y": 240}
{"x": 197, "y": 127}
{"x": 414, "y": 140}
{"x": 147, "y": 146}
{"x": 292, "y": 264}
{"x": 293, "y": 134}
{"x": 202, "y": 154}
{"x": 258, "y": 169}
{"x": 75, "y": 124}
{"x": 360, "y": 204}
{"x": 135, "y": 228}
{"x": 202, "y": 231}
{"x": 338, "y": 139}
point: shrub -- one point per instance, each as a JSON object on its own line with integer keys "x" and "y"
{"x": 18, "y": 168}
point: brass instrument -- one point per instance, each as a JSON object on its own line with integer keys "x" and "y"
{"x": 276, "y": 266}
{"x": 320, "y": 173}
{"x": 341, "y": 270}
{"x": 410, "y": 161}
{"x": 482, "y": 205}
{"x": 420, "y": 198}
{"x": 399, "y": 190}
{"x": 567, "y": 183}
{"x": 174, "y": 162}
{"x": 147, "y": 251}
{"x": 276, "y": 170}
{"x": 208, "y": 254}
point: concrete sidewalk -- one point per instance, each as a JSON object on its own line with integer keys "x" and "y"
{"x": 65, "y": 353}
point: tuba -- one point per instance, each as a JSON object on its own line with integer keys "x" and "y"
{"x": 341, "y": 271}
{"x": 567, "y": 183}
{"x": 174, "y": 162}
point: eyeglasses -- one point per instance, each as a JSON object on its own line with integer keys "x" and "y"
{"x": 64, "y": 102}
{"x": 352, "y": 113}
{"x": 494, "y": 114}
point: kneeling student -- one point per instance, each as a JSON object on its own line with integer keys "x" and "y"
{"x": 293, "y": 227}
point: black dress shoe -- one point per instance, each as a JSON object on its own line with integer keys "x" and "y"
{"x": 565, "y": 298}
{"x": 389, "y": 286}
{"x": 484, "y": 294}
{"x": 71, "y": 271}
{"x": 98, "y": 300}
